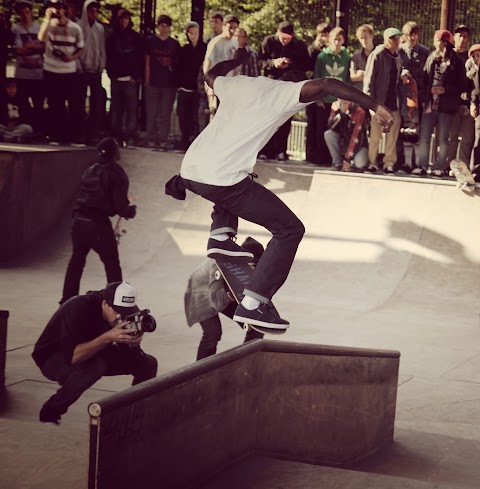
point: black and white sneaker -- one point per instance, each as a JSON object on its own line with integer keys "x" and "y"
{"x": 228, "y": 250}
{"x": 265, "y": 315}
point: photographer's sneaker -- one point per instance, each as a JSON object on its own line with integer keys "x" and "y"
{"x": 48, "y": 416}
{"x": 228, "y": 250}
{"x": 264, "y": 315}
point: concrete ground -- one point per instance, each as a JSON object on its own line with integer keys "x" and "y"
{"x": 386, "y": 262}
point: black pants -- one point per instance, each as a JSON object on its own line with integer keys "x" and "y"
{"x": 187, "y": 111}
{"x": 76, "y": 379}
{"x": 212, "y": 333}
{"x": 91, "y": 235}
{"x": 253, "y": 202}
{"x": 62, "y": 88}
{"x": 34, "y": 90}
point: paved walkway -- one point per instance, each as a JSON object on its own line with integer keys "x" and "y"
{"x": 386, "y": 263}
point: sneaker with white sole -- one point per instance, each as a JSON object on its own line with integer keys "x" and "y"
{"x": 228, "y": 250}
{"x": 264, "y": 315}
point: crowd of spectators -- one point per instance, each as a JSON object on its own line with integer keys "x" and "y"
{"x": 433, "y": 93}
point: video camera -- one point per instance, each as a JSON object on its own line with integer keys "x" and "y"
{"x": 58, "y": 53}
{"x": 139, "y": 322}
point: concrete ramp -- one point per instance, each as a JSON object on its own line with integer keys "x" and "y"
{"x": 374, "y": 243}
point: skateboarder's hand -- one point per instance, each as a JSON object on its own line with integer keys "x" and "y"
{"x": 384, "y": 118}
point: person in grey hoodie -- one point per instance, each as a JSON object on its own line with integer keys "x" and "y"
{"x": 381, "y": 82}
{"x": 92, "y": 64}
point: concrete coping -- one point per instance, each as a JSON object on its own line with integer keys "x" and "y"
{"x": 191, "y": 371}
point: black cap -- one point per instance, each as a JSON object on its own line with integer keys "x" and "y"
{"x": 108, "y": 147}
{"x": 164, "y": 19}
{"x": 22, "y": 4}
{"x": 253, "y": 246}
{"x": 230, "y": 18}
{"x": 461, "y": 28}
{"x": 286, "y": 27}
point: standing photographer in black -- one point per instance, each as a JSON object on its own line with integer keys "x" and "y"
{"x": 103, "y": 194}
{"x": 88, "y": 338}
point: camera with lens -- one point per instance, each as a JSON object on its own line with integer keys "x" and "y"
{"x": 140, "y": 322}
{"x": 58, "y": 53}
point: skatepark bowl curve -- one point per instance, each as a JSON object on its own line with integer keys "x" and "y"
{"x": 387, "y": 263}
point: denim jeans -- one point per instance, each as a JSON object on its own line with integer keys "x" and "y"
{"x": 253, "y": 202}
{"x": 76, "y": 379}
{"x": 159, "y": 104}
{"x": 124, "y": 109}
{"x": 212, "y": 333}
{"x": 338, "y": 147}
{"x": 91, "y": 235}
{"x": 442, "y": 122}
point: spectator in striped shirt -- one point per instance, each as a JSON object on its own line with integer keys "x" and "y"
{"x": 63, "y": 45}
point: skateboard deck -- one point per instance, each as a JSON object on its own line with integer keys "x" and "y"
{"x": 237, "y": 276}
{"x": 464, "y": 178}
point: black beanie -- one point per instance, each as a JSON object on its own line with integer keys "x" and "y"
{"x": 108, "y": 148}
{"x": 254, "y": 247}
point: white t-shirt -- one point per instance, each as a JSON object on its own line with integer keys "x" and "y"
{"x": 250, "y": 112}
{"x": 221, "y": 49}
{"x": 66, "y": 38}
{"x": 28, "y": 67}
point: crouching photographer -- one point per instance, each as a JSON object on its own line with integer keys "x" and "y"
{"x": 90, "y": 336}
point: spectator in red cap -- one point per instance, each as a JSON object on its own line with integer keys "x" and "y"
{"x": 442, "y": 73}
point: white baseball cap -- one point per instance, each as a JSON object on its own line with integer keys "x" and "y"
{"x": 122, "y": 296}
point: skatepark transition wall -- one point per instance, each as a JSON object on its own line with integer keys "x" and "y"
{"x": 37, "y": 184}
{"x": 322, "y": 405}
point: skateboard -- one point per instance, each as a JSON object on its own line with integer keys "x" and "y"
{"x": 117, "y": 231}
{"x": 237, "y": 276}
{"x": 460, "y": 171}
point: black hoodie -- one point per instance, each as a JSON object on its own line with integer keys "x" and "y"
{"x": 191, "y": 59}
{"x": 125, "y": 54}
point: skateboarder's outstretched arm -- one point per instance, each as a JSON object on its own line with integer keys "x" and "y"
{"x": 224, "y": 67}
{"x": 321, "y": 87}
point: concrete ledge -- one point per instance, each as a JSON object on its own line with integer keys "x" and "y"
{"x": 37, "y": 188}
{"x": 307, "y": 403}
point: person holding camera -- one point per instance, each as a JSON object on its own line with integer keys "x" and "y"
{"x": 63, "y": 45}
{"x": 91, "y": 336}
{"x": 103, "y": 194}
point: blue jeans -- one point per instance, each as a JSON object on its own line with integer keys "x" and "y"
{"x": 124, "y": 109}
{"x": 253, "y": 202}
{"x": 430, "y": 121}
{"x": 338, "y": 147}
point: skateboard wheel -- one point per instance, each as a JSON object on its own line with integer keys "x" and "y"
{"x": 217, "y": 275}
{"x": 450, "y": 173}
{"x": 246, "y": 327}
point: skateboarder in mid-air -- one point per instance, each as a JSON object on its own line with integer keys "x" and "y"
{"x": 219, "y": 167}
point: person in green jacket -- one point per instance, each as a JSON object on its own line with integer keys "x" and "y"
{"x": 332, "y": 62}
